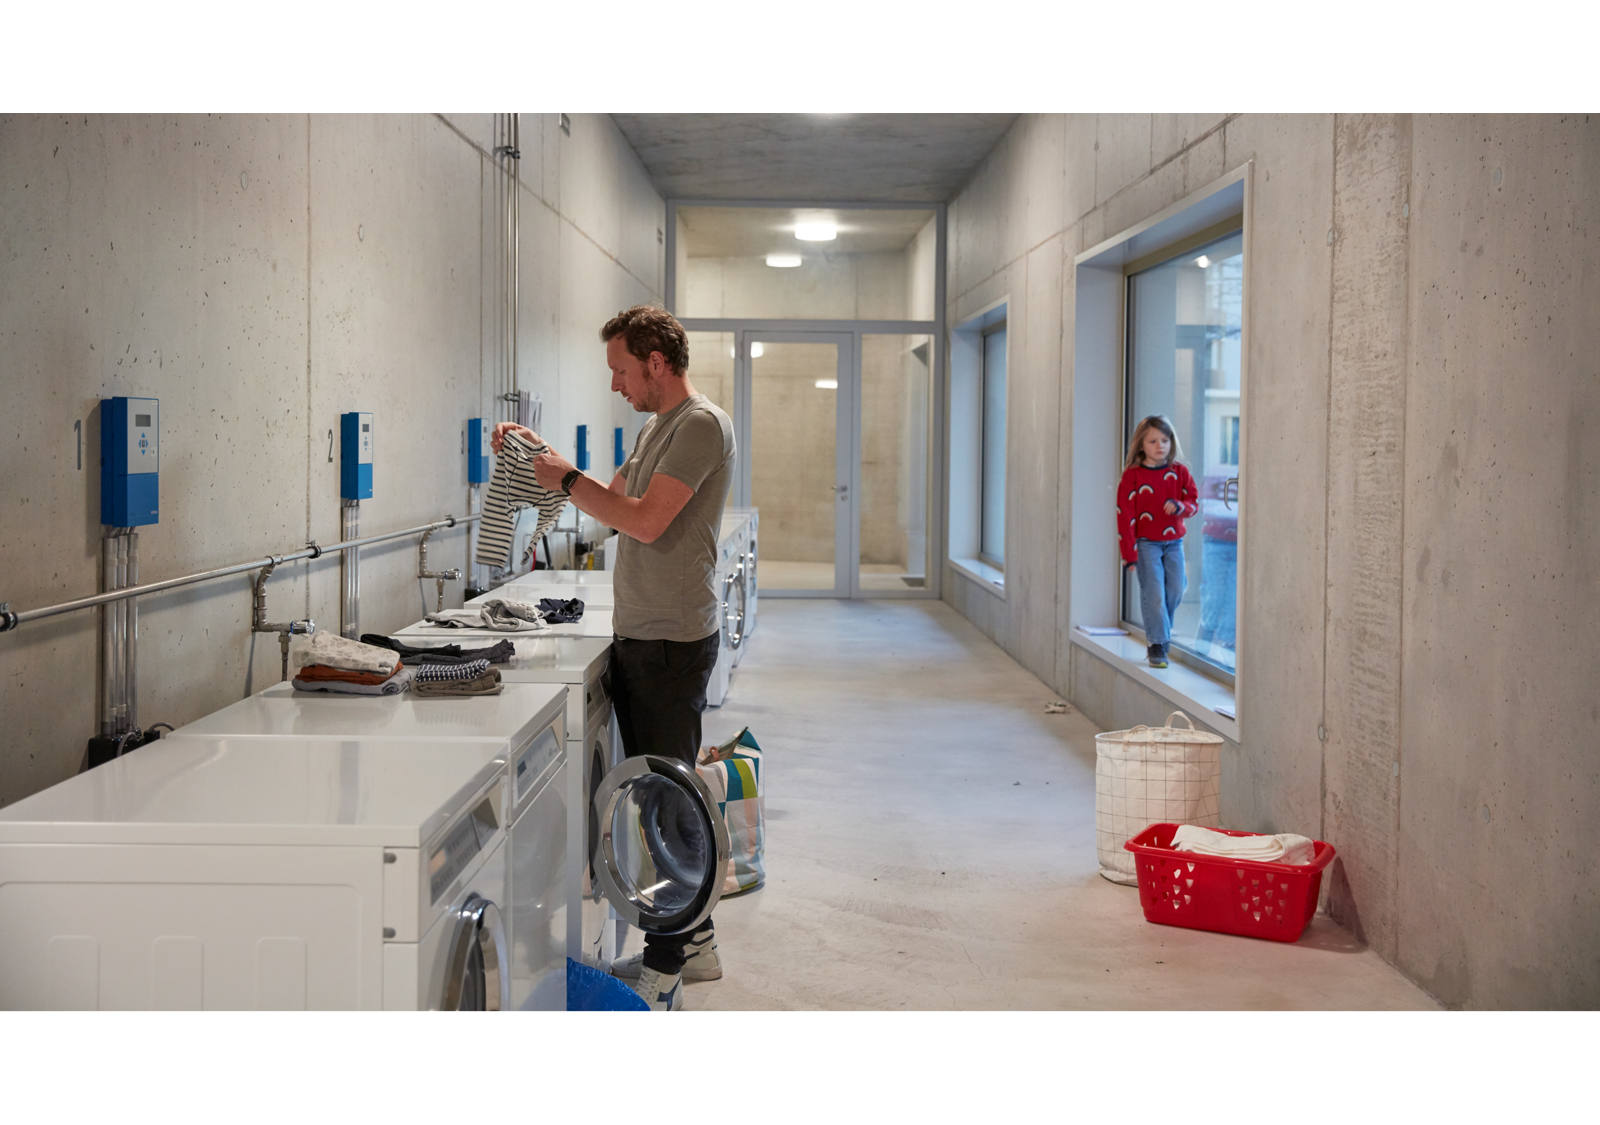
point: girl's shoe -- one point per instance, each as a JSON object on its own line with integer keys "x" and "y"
{"x": 1157, "y": 655}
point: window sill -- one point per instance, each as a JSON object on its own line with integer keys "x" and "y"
{"x": 1199, "y": 696}
{"x": 990, "y": 578}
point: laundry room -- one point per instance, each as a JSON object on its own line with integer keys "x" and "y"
{"x": 1005, "y": 570}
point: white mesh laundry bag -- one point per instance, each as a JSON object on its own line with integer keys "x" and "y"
{"x": 1152, "y": 775}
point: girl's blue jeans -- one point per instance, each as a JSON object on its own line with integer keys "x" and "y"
{"x": 1162, "y": 582}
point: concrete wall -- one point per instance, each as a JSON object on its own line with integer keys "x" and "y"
{"x": 261, "y": 275}
{"x": 1417, "y": 582}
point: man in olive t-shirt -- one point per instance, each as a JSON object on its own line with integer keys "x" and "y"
{"x": 666, "y": 505}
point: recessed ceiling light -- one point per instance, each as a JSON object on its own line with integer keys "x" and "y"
{"x": 1202, "y": 261}
{"x": 783, "y": 261}
{"x": 827, "y": 384}
{"x": 816, "y": 232}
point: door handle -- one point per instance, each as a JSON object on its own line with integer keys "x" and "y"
{"x": 1230, "y": 491}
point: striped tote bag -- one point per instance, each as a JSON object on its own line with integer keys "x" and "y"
{"x": 732, "y": 772}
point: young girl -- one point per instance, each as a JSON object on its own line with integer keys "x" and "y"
{"x": 1156, "y": 495}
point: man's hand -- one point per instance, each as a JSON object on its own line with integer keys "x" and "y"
{"x": 503, "y": 428}
{"x": 549, "y": 468}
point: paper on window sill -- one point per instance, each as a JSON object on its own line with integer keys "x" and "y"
{"x": 1102, "y": 630}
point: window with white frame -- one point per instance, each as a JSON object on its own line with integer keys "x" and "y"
{"x": 977, "y": 447}
{"x": 1184, "y": 315}
{"x": 992, "y": 508}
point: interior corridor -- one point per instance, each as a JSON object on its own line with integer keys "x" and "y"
{"x": 930, "y": 844}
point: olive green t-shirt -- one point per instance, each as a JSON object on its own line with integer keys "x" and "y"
{"x": 666, "y": 590}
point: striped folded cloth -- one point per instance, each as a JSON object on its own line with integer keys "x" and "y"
{"x": 449, "y": 673}
{"x": 486, "y": 684}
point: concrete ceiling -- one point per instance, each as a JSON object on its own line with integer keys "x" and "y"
{"x": 811, "y": 157}
{"x": 742, "y": 232}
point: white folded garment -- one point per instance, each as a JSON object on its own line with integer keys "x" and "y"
{"x": 499, "y": 614}
{"x": 335, "y": 651}
{"x": 1285, "y": 847}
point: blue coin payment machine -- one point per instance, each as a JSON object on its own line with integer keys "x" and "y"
{"x": 355, "y": 454}
{"x": 130, "y": 455}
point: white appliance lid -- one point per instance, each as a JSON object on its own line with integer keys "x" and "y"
{"x": 509, "y": 718}
{"x": 185, "y": 788}
{"x": 531, "y": 590}
{"x": 596, "y": 622}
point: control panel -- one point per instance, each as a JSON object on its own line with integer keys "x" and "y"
{"x": 478, "y": 450}
{"x": 130, "y": 455}
{"x": 355, "y": 455}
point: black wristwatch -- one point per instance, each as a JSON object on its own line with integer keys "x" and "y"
{"x": 566, "y": 481}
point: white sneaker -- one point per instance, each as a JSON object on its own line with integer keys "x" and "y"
{"x": 661, "y": 992}
{"x": 703, "y": 962}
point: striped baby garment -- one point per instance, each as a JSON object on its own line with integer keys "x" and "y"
{"x": 511, "y": 489}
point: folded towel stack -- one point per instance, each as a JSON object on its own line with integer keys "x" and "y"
{"x": 440, "y": 680}
{"x": 1285, "y": 847}
{"x": 331, "y": 663}
{"x": 500, "y": 614}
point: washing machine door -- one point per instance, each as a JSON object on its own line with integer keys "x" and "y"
{"x": 733, "y": 602}
{"x": 663, "y": 846}
{"x": 476, "y": 977}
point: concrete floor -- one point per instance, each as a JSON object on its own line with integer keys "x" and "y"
{"x": 930, "y": 844}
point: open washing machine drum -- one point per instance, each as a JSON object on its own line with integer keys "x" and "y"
{"x": 663, "y": 847}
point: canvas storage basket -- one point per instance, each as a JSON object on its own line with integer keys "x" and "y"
{"x": 732, "y": 772}
{"x": 1149, "y": 775}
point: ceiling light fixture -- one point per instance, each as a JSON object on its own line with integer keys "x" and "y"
{"x": 827, "y": 384}
{"x": 757, "y": 351}
{"x": 816, "y": 232}
{"x": 783, "y": 261}
{"x": 1202, "y": 261}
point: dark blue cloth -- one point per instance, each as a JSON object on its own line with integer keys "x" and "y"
{"x": 560, "y": 611}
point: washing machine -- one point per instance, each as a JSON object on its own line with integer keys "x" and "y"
{"x": 729, "y": 585}
{"x": 592, "y": 749}
{"x": 525, "y": 725}
{"x": 297, "y": 873}
{"x": 752, "y": 517}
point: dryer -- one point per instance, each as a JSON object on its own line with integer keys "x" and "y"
{"x": 525, "y": 725}
{"x": 592, "y": 749}
{"x": 298, "y": 873}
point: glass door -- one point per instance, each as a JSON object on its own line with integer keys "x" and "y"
{"x": 796, "y": 460}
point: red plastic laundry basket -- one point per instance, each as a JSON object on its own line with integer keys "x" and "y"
{"x": 1231, "y": 896}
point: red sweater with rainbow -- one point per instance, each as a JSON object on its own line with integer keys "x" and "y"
{"x": 1141, "y": 504}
